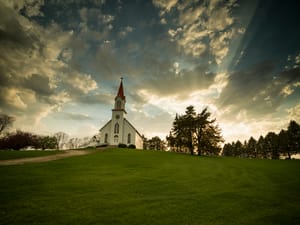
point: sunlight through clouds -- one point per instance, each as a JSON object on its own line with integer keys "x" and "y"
{"x": 57, "y": 67}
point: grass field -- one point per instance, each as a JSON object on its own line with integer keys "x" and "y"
{"x": 25, "y": 154}
{"x": 123, "y": 186}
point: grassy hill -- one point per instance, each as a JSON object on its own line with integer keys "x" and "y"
{"x": 143, "y": 187}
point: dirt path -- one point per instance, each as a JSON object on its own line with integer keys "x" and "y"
{"x": 21, "y": 161}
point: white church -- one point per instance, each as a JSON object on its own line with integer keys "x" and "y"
{"x": 119, "y": 130}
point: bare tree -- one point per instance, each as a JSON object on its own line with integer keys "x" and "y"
{"x": 6, "y": 121}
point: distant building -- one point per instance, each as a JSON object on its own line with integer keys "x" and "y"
{"x": 119, "y": 130}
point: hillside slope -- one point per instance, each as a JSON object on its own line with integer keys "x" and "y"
{"x": 123, "y": 186}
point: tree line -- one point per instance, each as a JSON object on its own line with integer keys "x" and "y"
{"x": 20, "y": 139}
{"x": 271, "y": 146}
{"x": 195, "y": 133}
{"x": 155, "y": 143}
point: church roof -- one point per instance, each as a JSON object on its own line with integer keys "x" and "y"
{"x": 121, "y": 90}
{"x": 133, "y": 127}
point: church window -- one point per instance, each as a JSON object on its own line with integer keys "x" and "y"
{"x": 116, "y": 130}
{"x": 105, "y": 138}
{"x": 129, "y": 138}
{"x": 118, "y": 104}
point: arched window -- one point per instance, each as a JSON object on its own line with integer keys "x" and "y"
{"x": 118, "y": 104}
{"x": 129, "y": 138}
{"x": 105, "y": 138}
{"x": 116, "y": 130}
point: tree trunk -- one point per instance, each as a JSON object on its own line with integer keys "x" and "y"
{"x": 199, "y": 150}
{"x": 191, "y": 149}
{"x": 289, "y": 154}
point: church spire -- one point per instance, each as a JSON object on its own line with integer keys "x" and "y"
{"x": 120, "y": 99}
{"x": 121, "y": 90}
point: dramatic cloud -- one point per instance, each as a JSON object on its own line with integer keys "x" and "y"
{"x": 72, "y": 116}
{"x": 60, "y": 63}
{"x": 82, "y": 82}
{"x": 33, "y": 65}
{"x": 165, "y": 5}
{"x": 202, "y": 27}
{"x": 258, "y": 86}
{"x": 294, "y": 113}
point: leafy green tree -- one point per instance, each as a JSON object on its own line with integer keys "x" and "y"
{"x": 145, "y": 141}
{"x": 47, "y": 142}
{"x": 156, "y": 143}
{"x": 18, "y": 140}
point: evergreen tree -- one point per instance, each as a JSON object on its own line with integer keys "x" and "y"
{"x": 227, "y": 150}
{"x": 261, "y": 148}
{"x": 293, "y": 133}
{"x": 191, "y": 129}
{"x": 283, "y": 143}
{"x": 189, "y": 126}
{"x": 272, "y": 145}
{"x": 251, "y": 148}
{"x": 238, "y": 149}
{"x": 208, "y": 136}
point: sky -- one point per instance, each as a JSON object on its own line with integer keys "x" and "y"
{"x": 61, "y": 63}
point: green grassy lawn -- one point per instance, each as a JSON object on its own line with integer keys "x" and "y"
{"x": 25, "y": 154}
{"x": 123, "y": 186}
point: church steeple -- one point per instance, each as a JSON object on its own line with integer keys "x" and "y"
{"x": 120, "y": 99}
{"x": 121, "y": 90}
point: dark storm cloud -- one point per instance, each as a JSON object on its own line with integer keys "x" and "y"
{"x": 39, "y": 84}
{"x": 258, "y": 89}
{"x": 12, "y": 32}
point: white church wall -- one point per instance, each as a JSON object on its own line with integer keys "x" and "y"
{"x": 138, "y": 142}
{"x": 106, "y": 130}
{"x": 128, "y": 130}
{"x": 135, "y": 138}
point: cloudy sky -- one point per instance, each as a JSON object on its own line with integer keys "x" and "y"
{"x": 61, "y": 63}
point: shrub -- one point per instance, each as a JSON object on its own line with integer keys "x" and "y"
{"x": 19, "y": 140}
{"x": 122, "y": 145}
{"x": 102, "y": 145}
{"x": 131, "y": 146}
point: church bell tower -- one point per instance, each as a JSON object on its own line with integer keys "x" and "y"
{"x": 120, "y": 99}
{"x": 118, "y": 115}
